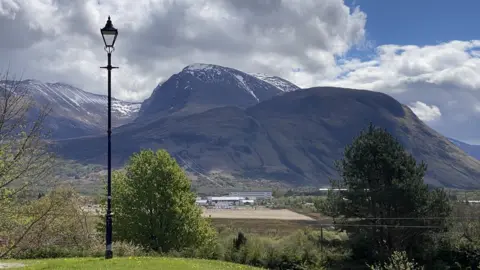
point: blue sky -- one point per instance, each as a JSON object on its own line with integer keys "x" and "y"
{"x": 420, "y": 22}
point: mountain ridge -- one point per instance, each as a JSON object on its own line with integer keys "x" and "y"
{"x": 199, "y": 87}
{"x": 76, "y": 112}
{"x": 471, "y": 149}
{"x": 247, "y": 126}
{"x": 292, "y": 138}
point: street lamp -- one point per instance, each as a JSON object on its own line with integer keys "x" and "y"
{"x": 109, "y": 34}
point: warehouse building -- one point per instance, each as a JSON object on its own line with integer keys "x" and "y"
{"x": 253, "y": 195}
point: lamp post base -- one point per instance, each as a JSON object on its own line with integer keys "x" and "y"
{"x": 108, "y": 254}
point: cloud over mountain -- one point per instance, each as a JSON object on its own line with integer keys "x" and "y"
{"x": 308, "y": 42}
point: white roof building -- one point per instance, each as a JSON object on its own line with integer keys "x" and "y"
{"x": 201, "y": 201}
{"x": 226, "y": 198}
{"x": 253, "y": 194}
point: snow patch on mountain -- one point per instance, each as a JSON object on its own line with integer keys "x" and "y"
{"x": 125, "y": 109}
{"x": 244, "y": 84}
{"x": 72, "y": 98}
{"x": 278, "y": 82}
{"x": 199, "y": 67}
{"x": 75, "y": 112}
{"x": 210, "y": 73}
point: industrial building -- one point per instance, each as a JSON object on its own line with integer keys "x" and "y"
{"x": 224, "y": 201}
{"x": 253, "y": 195}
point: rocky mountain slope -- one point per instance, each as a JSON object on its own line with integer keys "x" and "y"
{"x": 282, "y": 84}
{"x": 294, "y": 137}
{"x": 200, "y": 87}
{"x": 473, "y": 150}
{"x": 76, "y": 112}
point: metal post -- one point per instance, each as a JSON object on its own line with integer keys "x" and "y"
{"x": 108, "y": 236}
{"x": 108, "y": 216}
{"x": 321, "y": 238}
{"x": 110, "y": 32}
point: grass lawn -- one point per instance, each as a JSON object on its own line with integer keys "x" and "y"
{"x": 143, "y": 263}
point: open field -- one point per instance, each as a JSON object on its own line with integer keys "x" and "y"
{"x": 263, "y": 213}
{"x": 131, "y": 263}
{"x": 263, "y": 221}
{"x": 266, "y": 227}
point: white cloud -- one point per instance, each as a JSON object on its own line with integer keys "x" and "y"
{"x": 446, "y": 75}
{"x": 59, "y": 40}
{"x": 425, "y": 112}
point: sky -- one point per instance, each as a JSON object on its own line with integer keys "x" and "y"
{"x": 423, "y": 53}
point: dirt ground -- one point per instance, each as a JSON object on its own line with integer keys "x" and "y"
{"x": 280, "y": 214}
{"x": 11, "y": 265}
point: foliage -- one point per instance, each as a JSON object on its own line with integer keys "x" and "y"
{"x": 398, "y": 261}
{"x": 154, "y": 207}
{"x": 66, "y": 169}
{"x": 459, "y": 247}
{"x": 386, "y": 205}
{"x": 122, "y": 249}
{"x": 329, "y": 205}
{"x": 25, "y": 162}
{"x": 239, "y": 241}
{"x": 24, "y": 158}
{"x": 54, "y": 221}
{"x": 293, "y": 202}
{"x": 300, "y": 250}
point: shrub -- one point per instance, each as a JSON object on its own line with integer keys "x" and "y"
{"x": 121, "y": 249}
{"x": 397, "y": 261}
{"x": 297, "y": 251}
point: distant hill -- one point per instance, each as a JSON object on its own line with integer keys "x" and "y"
{"x": 292, "y": 136}
{"x": 76, "y": 112}
{"x": 473, "y": 150}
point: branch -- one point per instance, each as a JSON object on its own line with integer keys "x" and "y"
{"x": 29, "y": 228}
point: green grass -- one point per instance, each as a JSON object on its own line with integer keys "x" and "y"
{"x": 143, "y": 263}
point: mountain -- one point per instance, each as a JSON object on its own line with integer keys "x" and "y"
{"x": 200, "y": 87}
{"x": 294, "y": 137}
{"x": 472, "y": 150}
{"x": 282, "y": 84}
{"x": 76, "y": 112}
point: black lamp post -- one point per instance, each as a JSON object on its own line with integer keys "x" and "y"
{"x": 109, "y": 34}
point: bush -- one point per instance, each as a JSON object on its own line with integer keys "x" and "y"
{"x": 47, "y": 226}
{"x": 121, "y": 249}
{"x": 397, "y": 261}
{"x": 239, "y": 241}
{"x": 297, "y": 251}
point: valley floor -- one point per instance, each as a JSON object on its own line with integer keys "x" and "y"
{"x": 254, "y": 213}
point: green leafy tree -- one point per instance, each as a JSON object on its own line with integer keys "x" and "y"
{"x": 154, "y": 207}
{"x": 386, "y": 206}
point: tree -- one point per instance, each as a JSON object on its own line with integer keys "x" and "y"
{"x": 25, "y": 162}
{"x": 24, "y": 156}
{"x": 386, "y": 205}
{"x": 154, "y": 207}
{"x": 55, "y": 220}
